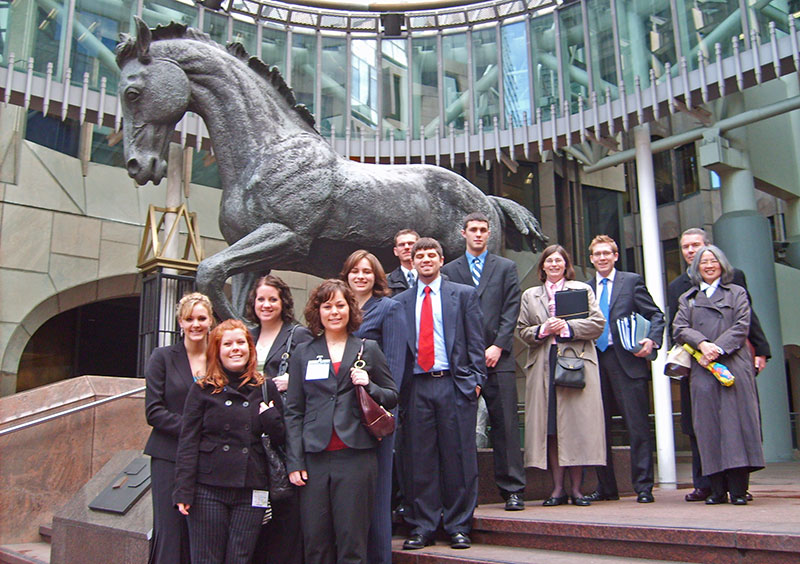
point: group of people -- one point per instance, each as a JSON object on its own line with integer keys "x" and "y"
{"x": 426, "y": 342}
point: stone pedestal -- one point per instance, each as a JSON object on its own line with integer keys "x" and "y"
{"x": 81, "y": 535}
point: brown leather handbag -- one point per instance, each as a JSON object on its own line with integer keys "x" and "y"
{"x": 377, "y": 419}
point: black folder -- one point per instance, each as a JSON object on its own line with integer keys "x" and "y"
{"x": 572, "y": 304}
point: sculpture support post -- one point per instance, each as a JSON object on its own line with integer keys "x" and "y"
{"x": 653, "y": 275}
{"x": 169, "y": 288}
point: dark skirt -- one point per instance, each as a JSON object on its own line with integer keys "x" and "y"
{"x": 551, "y": 394}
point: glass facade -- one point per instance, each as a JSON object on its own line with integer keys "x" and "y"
{"x": 504, "y": 66}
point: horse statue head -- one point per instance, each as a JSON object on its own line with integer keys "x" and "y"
{"x": 154, "y": 93}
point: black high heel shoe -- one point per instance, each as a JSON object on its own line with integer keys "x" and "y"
{"x": 553, "y": 501}
{"x": 717, "y": 500}
{"x": 580, "y": 501}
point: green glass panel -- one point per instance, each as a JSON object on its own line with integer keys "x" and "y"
{"x": 707, "y": 23}
{"x": 273, "y": 48}
{"x": 484, "y": 58}
{"x": 394, "y": 87}
{"x": 205, "y": 170}
{"x": 107, "y": 147}
{"x": 162, "y": 12}
{"x": 573, "y": 54}
{"x": 601, "y": 37}
{"x": 516, "y": 86}
{"x": 646, "y": 40}
{"x": 334, "y": 80}
{"x": 216, "y": 26}
{"x": 95, "y": 34}
{"x": 545, "y": 64}
{"x": 364, "y": 85}
{"x": 304, "y": 65}
{"x": 456, "y": 81}
{"x": 35, "y": 29}
{"x": 425, "y": 86}
{"x": 246, "y": 34}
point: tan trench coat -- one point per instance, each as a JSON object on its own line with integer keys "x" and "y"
{"x": 579, "y": 417}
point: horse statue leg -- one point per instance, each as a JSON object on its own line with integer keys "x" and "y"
{"x": 270, "y": 244}
{"x": 240, "y": 288}
{"x": 518, "y": 223}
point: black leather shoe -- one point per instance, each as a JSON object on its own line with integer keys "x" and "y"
{"x": 514, "y": 502}
{"x": 748, "y": 496}
{"x": 715, "y": 500}
{"x": 460, "y": 540}
{"x": 698, "y": 494}
{"x": 645, "y": 497}
{"x": 580, "y": 501}
{"x": 739, "y": 499}
{"x": 415, "y": 542}
{"x": 553, "y": 501}
{"x": 597, "y": 496}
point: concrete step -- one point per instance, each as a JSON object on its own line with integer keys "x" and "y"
{"x": 27, "y": 553}
{"x": 46, "y": 532}
{"x": 492, "y": 554}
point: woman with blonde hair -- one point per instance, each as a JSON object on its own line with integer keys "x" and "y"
{"x": 169, "y": 375}
{"x": 221, "y": 480}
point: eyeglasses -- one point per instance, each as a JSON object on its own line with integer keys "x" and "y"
{"x": 554, "y": 260}
{"x": 603, "y": 254}
{"x": 709, "y": 262}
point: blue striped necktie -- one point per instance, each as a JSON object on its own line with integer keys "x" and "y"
{"x": 411, "y": 279}
{"x": 476, "y": 271}
{"x": 602, "y": 340}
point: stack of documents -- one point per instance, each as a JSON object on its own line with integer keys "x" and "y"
{"x": 633, "y": 329}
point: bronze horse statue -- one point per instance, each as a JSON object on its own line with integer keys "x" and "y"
{"x": 289, "y": 200}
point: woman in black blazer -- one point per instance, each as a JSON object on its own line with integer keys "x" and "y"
{"x": 382, "y": 321}
{"x": 330, "y": 453}
{"x": 221, "y": 478}
{"x": 271, "y": 306}
{"x": 169, "y": 374}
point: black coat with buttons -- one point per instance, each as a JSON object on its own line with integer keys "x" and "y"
{"x": 220, "y": 440}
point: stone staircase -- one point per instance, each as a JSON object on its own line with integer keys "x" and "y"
{"x": 29, "y": 553}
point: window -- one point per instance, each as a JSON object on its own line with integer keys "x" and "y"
{"x": 601, "y": 212}
{"x": 62, "y": 136}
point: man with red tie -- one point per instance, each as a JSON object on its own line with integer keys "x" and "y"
{"x": 446, "y": 372}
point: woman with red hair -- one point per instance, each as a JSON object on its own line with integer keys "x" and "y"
{"x": 221, "y": 479}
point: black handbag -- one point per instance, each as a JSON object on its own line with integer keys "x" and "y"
{"x": 279, "y": 485}
{"x": 569, "y": 370}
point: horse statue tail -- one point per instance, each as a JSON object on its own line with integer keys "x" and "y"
{"x": 519, "y": 224}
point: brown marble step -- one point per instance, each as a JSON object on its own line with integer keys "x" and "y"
{"x": 490, "y": 554}
{"x": 27, "y": 553}
{"x": 46, "y": 532}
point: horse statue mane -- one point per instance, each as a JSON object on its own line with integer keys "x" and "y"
{"x": 126, "y": 50}
{"x": 289, "y": 201}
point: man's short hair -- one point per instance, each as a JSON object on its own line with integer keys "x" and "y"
{"x": 426, "y": 243}
{"x": 476, "y": 216}
{"x": 696, "y": 231}
{"x": 405, "y": 232}
{"x": 603, "y": 239}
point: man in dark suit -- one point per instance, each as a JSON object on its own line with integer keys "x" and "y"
{"x": 445, "y": 374}
{"x": 404, "y": 276}
{"x": 496, "y": 280}
{"x": 624, "y": 375}
{"x": 692, "y": 240}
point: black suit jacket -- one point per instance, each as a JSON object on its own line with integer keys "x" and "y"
{"x": 499, "y": 295}
{"x": 168, "y": 378}
{"x": 315, "y": 407}
{"x": 463, "y": 334}
{"x": 629, "y": 295}
{"x": 397, "y": 281}
{"x": 301, "y": 335}
{"x": 220, "y": 441}
{"x": 683, "y": 283}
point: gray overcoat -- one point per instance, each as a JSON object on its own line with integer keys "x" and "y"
{"x": 726, "y": 420}
{"x": 579, "y": 417}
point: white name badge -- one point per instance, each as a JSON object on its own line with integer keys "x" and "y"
{"x": 318, "y": 369}
{"x": 260, "y": 498}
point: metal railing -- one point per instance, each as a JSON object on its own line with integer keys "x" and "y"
{"x": 70, "y": 411}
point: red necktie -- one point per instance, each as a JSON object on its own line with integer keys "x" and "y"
{"x": 425, "y": 354}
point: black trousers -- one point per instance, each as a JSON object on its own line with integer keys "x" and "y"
{"x": 733, "y": 480}
{"x": 632, "y": 397}
{"x": 223, "y": 525}
{"x": 170, "y": 542}
{"x": 281, "y": 540}
{"x": 379, "y": 544}
{"x": 336, "y": 505}
{"x": 443, "y": 457}
{"x": 500, "y": 395}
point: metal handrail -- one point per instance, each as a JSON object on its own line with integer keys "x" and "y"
{"x": 70, "y": 411}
